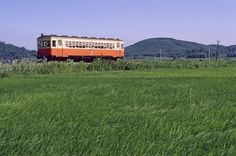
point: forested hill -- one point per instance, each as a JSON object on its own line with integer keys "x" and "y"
{"x": 170, "y": 47}
{"x": 11, "y": 52}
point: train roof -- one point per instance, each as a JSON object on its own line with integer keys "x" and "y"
{"x": 80, "y": 37}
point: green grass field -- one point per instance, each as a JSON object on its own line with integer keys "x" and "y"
{"x": 161, "y": 112}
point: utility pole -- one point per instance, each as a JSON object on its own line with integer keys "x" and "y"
{"x": 217, "y": 50}
{"x": 160, "y": 55}
{"x": 209, "y": 54}
{"x": 154, "y": 55}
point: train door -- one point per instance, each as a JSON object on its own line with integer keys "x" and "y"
{"x": 59, "y": 48}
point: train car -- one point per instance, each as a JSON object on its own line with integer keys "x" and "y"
{"x": 54, "y": 47}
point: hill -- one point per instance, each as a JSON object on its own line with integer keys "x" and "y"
{"x": 147, "y": 48}
{"x": 231, "y": 51}
{"x": 11, "y": 52}
{"x": 174, "y": 48}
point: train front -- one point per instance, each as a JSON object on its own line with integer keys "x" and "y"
{"x": 44, "y": 47}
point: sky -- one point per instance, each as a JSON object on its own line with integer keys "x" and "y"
{"x": 202, "y": 21}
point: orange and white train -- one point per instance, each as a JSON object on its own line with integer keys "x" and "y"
{"x": 54, "y": 47}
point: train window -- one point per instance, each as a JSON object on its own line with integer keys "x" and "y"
{"x": 48, "y": 43}
{"x": 95, "y": 45}
{"x": 70, "y": 44}
{"x": 59, "y": 42}
{"x": 54, "y": 43}
{"x": 122, "y": 46}
{"x": 40, "y": 44}
{"x": 67, "y": 45}
{"x": 81, "y": 44}
{"x": 118, "y": 45}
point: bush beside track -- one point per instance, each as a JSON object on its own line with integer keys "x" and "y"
{"x": 25, "y": 68}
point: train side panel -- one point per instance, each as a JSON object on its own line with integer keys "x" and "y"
{"x": 70, "y": 53}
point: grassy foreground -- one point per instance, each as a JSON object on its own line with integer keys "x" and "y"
{"x": 164, "y": 112}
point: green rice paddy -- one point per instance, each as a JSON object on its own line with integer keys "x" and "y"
{"x": 157, "y": 112}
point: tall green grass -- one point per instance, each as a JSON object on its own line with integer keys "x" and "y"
{"x": 162, "y": 112}
{"x": 104, "y": 65}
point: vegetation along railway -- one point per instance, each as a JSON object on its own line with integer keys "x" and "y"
{"x": 54, "y": 47}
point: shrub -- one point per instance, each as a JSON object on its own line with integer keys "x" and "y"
{"x": 4, "y": 71}
{"x": 25, "y": 68}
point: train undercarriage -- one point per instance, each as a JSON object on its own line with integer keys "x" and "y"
{"x": 77, "y": 58}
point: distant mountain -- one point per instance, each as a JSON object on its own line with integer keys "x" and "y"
{"x": 232, "y": 47}
{"x": 231, "y": 51}
{"x": 170, "y": 47}
{"x": 11, "y": 52}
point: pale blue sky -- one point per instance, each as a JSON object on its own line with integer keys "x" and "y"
{"x": 203, "y": 21}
